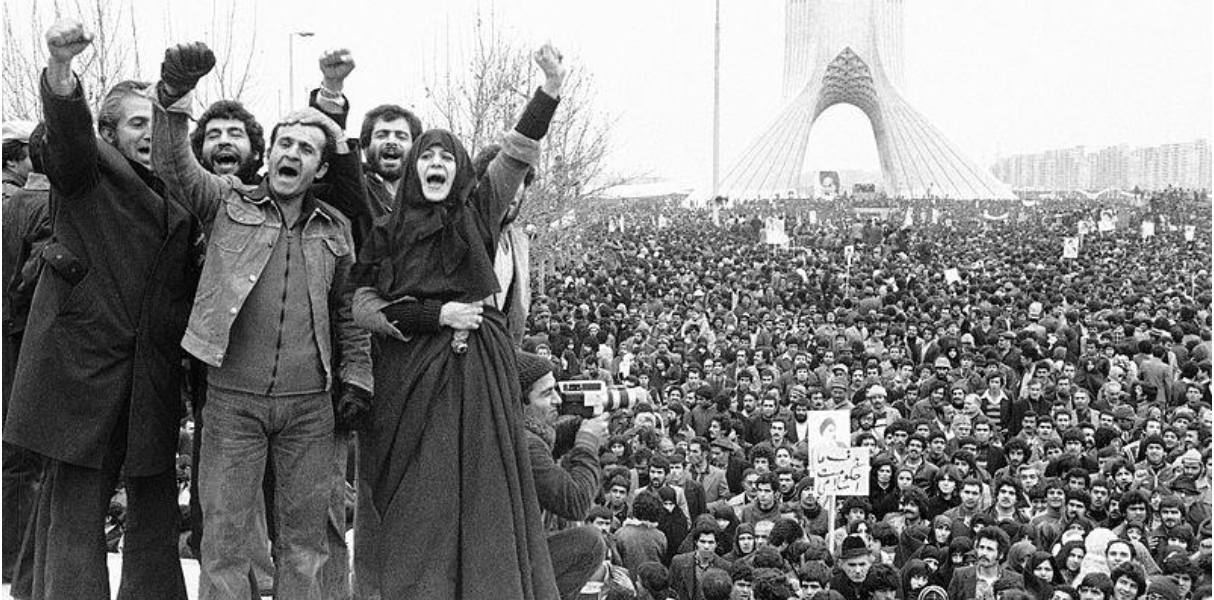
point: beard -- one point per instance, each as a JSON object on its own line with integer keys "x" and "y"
{"x": 542, "y": 428}
{"x": 387, "y": 154}
{"x": 226, "y": 160}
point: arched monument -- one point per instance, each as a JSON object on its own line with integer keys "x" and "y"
{"x": 850, "y": 51}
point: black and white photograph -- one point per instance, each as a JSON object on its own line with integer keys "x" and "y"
{"x": 542, "y": 300}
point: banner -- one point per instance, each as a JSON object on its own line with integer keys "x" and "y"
{"x": 986, "y": 214}
{"x": 663, "y": 222}
{"x": 1107, "y": 222}
{"x": 849, "y": 254}
{"x": 839, "y": 471}
{"x": 1070, "y": 247}
{"x": 910, "y": 218}
{"x": 1085, "y": 227}
{"x": 935, "y": 216}
{"x": 828, "y": 183}
{"x": 829, "y": 428}
{"x": 952, "y": 276}
{"x": 1148, "y": 229}
{"x": 1190, "y": 232}
{"x": 813, "y": 217}
{"x": 773, "y": 232}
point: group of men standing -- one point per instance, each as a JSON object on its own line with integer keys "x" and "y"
{"x": 142, "y": 240}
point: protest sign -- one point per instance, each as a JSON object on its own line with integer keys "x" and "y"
{"x": 1070, "y": 247}
{"x": 840, "y": 471}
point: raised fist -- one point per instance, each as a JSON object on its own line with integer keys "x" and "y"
{"x": 185, "y": 64}
{"x": 335, "y": 65}
{"x": 550, "y": 62}
{"x": 67, "y": 38}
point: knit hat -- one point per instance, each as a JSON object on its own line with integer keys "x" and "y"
{"x": 531, "y": 367}
{"x": 930, "y": 552}
{"x": 1164, "y": 586}
{"x": 1184, "y": 483}
{"x": 853, "y": 546}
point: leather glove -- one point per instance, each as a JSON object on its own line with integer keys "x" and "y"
{"x": 185, "y": 64}
{"x": 353, "y": 409}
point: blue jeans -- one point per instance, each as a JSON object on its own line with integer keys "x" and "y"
{"x": 242, "y": 431}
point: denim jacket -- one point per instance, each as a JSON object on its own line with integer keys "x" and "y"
{"x": 242, "y": 226}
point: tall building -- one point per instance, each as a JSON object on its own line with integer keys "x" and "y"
{"x": 1185, "y": 165}
{"x": 851, "y": 52}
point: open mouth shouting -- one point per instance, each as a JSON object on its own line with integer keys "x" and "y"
{"x": 391, "y": 158}
{"x": 225, "y": 160}
{"x": 436, "y": 167}
{"x": 287, "y": 172}
{"x": 436, "y": 184}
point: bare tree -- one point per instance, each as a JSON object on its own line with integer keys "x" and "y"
{"x": 114, "y": 55}
{"x": 106, "y": 62}
{"x": 485, "y": 100}
{"x": 231, "y": 33}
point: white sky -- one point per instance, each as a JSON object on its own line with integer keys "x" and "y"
{"x": 997, "y": 77}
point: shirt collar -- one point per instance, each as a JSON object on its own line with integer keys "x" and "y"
{"x": 310, "y": 205}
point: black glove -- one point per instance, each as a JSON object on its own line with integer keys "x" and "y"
{"x": 353, "y": 409}
{"x": 185, "y": 64}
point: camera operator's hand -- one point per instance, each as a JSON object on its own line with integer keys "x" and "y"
{"x": 597, "y": 427}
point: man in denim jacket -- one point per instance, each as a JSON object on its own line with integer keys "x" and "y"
{"x": 272, "y": 300}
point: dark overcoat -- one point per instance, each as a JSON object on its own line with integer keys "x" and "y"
{"x": 105, "y": 326}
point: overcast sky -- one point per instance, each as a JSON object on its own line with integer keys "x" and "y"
{"x": 997, "y": 77}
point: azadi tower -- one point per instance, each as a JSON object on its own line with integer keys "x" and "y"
{"x": 850, "y": 51}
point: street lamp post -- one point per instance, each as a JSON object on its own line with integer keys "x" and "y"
{"x": 291, "y": 65}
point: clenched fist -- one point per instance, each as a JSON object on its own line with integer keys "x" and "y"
{"x": 335, "y": 66}
{"x": 184, "y": 65}
{"x": 67, "y": 38}
{"x": 551, "y": 62}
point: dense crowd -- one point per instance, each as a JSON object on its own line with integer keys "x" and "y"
{"x": 320, "y": 366}
{"x": 1056, "y": 410}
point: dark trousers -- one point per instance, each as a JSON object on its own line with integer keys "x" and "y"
{"x": 21, "y": 472}
{"x": 69, "y": 534}
{"x": 23, "y": 569}
{"x": 577, "y": 554}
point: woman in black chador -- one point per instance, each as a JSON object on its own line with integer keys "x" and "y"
{"x": 447, "y": 504}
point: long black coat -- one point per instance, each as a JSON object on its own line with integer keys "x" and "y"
{"x": 104, "y": 332}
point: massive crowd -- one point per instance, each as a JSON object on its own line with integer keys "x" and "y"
{"x": 1037, "y": 423}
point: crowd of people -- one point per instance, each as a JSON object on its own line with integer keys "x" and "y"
{"x": 1037, "y": 424}
{"x": 326, "y": 377}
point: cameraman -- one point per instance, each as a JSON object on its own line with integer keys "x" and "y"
{"x": 566, "y": 490}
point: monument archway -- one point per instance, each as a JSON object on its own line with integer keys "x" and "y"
{"x": 850, "y": 51}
